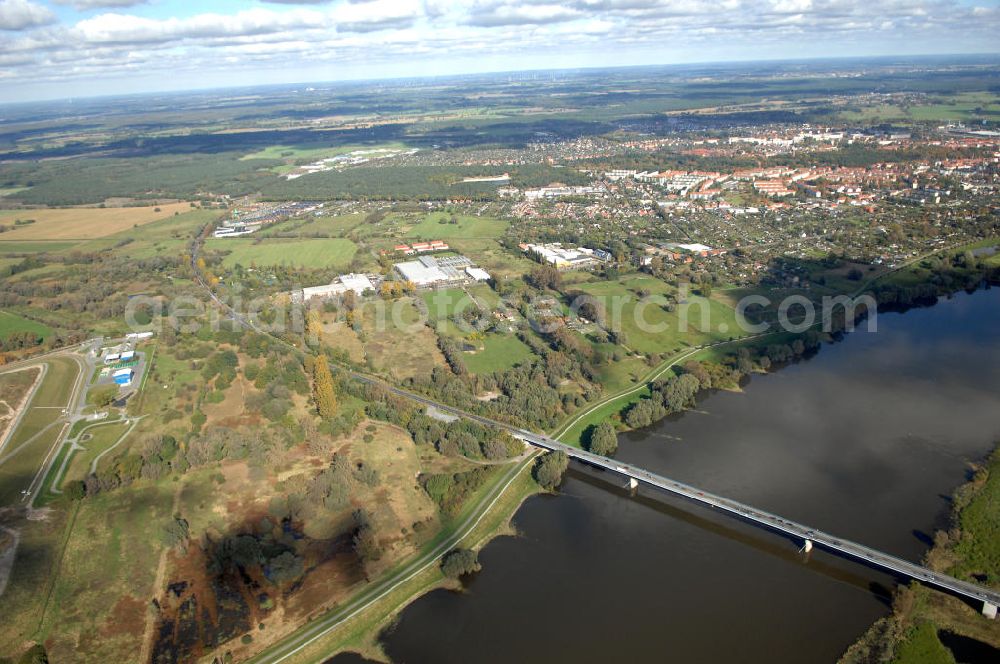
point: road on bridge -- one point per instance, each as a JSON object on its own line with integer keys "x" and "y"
{"x": 989, "y": 599}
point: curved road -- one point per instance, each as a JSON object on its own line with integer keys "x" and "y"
{"x": 798, "y": 531}
{"x": 306, "y": 636}
{"x": 871, "y": 557}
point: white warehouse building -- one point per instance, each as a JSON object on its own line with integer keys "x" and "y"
{"x": 359, "y": 283}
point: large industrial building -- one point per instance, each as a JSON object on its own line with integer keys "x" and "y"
{"x": 434, "y": 271}
{"x": 424, "y": 272}
{"x": 359, "y": 283}
{"x": 565, "y": 258}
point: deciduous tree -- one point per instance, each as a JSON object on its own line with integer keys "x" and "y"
{"x": 603, "y": 439}
{"x": 326, "y": 399}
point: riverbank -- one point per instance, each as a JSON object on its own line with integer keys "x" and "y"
{"x": 365, "y": 639}
{"x": 360, "y": 630}
{"x": 915, "y": 284}
{"x": 922, "y": 620}
{"x": 864, "y": 441}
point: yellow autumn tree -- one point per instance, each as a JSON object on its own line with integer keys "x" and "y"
{"x": 314, "y": 327}
{"x": 326, "y": 399}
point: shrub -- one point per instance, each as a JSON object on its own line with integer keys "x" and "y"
{"x": 459, "y": 562}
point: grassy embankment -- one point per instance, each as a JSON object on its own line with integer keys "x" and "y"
{"x": 914, "y": 272}
{"x": 970, "y": 550}
{"x": 485, "y": 516}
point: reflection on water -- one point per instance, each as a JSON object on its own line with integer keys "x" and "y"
{"x": 865, "y": 440}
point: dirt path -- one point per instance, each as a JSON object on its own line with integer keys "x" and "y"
{"x": 158, "y": 583}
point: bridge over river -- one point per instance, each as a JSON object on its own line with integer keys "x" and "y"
{"x": 988, "y": 600}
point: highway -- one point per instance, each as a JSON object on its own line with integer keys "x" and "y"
{"x": 800, "y": 532}
{"x": 985, "y": 598}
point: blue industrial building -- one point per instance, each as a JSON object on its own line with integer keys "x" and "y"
{"x": 123, "y": 376}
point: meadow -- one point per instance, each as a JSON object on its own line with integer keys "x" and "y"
{"x": 98, "y": 439}
{"x": 305, "y": 154}
{"x": 81, "y": 223}
{"x": 399, "y": 344}
{"x": 307, "y": 253}
{"x": 499, "y": 352}
{"x": 12, "y": 323}
{"x": 14, "y": 247}
{"x": 963, "y": 107}
{"x": 37, "y": 431}
{"x": 437, "y": 226}
{"x": 650, "y": 327}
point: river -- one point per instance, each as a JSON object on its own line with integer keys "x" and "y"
{"x": 867, "y": 439}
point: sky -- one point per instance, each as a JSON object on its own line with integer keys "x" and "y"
{"x": 60, "y": 49}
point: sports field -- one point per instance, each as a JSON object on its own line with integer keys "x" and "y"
{"x": 81, "y": 223}
{"x": 330, "y": 252}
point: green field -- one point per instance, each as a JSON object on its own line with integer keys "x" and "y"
{"x": 334, "y": 252}
{"x": 922, "y": 646}
{"x": 11, "y": 323}
{"x": 102, "y": 437}
{"x": 968, "y": 106}
{"x": 338, "y": 226}
{"x": 500, "y": 352}
{"x": 497, "y": 352}
{"x": 649, "y": 328}
{"x": 617, "y": 375}
{"x": 437, "y": 226}
{"x": 32, "y": 247}
{"x": 27, "y": 447}
{"x": 444, "y": 302}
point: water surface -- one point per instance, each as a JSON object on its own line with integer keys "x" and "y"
{"x": 865, "y": 440}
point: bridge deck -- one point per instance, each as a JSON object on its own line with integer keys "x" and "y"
{"x": 867, "y": 555}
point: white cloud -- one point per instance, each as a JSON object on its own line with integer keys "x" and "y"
{"x": 493, "y": 15}
{"x": 129, "y": 29}
{"x": 375, "y": 15}
{"x": 101, "y": 4}
{"x": 23, "y": 14}
{"x": 498, "y": 33}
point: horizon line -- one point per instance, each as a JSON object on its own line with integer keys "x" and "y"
{"x": 494, "y": 72}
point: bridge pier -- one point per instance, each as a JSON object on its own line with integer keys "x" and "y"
{"x": 807, "y": 546}
{"x": 633, "y": 484}
{"x": 990, "y": 610}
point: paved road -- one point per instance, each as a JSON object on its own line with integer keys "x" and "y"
{"x": 866, "y": 555}
{"x": 71, "y": 412}
{"x": 319, "y": 628}
{"x": 798, "y": 531}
